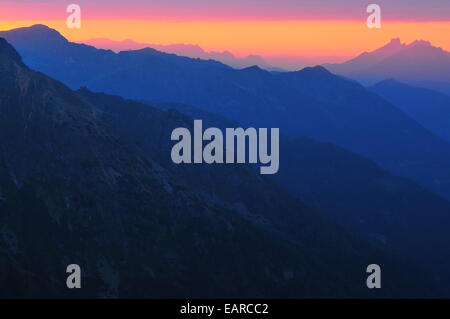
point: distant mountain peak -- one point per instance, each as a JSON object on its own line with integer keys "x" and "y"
{"x": 253, "y": 68}
{"x": 37, "y": 34}
{"x": 318, "y": 69}
{"x": 420, "y": 42}
{"x": 392, "y": 47}
{"x": 41, "y": 28}
{"x": 395, "y": 41}
{"x": 388, "y": 83}
{"x": 143, "y": 51}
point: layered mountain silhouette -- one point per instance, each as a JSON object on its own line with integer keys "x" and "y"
{"x": 312, "y": 102}
{"x": 390, "y": 211}
{"x": 418, "y": 63}
{"x": 188, "y": 50}
{"x": 428, "y": 107}
{"x": 85, "y": 178}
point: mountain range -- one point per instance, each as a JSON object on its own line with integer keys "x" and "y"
{"x": 85, "y": 178}
{"x": 391, "y": 212}
{"x": 428, "y": 107}
{"x": 188, "y": 50}
{"x": 94, "y": 171}
{"x": 311, "y": 102}
{"x": 418, "y": 63}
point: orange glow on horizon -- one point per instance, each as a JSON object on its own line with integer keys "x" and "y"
{"x": 265, "y": 38}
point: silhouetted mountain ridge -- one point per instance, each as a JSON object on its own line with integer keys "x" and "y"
{"x": 428, "y": 107}
{"x": 310, "y": 102}
{"x": 8, "y": 54}
{"x": 392, "y": 212}
{"x": 79, "y": 184}
{"x": 418, "y": 63}
{"x": 189, "y": 50}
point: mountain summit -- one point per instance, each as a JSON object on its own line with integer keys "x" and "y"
{"x": 428, "y": 107}
{"x": 84, "y": 180}
{"x": 188, "y": 50}
{"x": 394, "y": 46}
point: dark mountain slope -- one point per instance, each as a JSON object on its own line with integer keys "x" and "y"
{"x": 367, "y": 124}
{"x": 429, "y": 108}
{"x": 390, "y": 211}
{"x": 311, "y": 102}
{"x": 73, "y": 191}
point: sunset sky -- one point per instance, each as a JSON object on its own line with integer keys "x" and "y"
{"x": 326, "y": 28}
